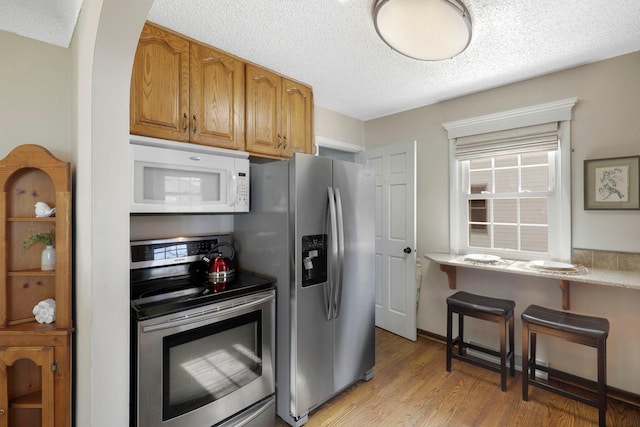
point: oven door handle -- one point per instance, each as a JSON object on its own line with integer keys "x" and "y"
{"x": 207, "y": 314}
{"x": 250, "y": 416}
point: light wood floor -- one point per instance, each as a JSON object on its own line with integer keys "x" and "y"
{"x": 412, "y": 388}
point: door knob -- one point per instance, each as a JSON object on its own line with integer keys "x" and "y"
{"x": 407, "y": 250}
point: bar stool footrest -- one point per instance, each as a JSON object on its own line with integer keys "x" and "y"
{"x": 477, "y": 361}
{"x": 466, "y": 345}
{"x": 581, "y": 383}
{"x": 563, "y": 392}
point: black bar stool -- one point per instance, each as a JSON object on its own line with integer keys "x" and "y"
{"x": 486, "y": 308}
{"x": 586, "y": 330}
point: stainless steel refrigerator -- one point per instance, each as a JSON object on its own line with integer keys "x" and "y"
{"x": 311, "y": 226}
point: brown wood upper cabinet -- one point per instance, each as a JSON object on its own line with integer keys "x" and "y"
{"x": 183, "y": 90}
{"x": 279, "y": 114}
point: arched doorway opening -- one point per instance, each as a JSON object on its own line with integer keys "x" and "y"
{"x": 103, "y": 48}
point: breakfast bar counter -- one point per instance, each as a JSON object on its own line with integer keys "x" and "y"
{"x": 624, "y": 279}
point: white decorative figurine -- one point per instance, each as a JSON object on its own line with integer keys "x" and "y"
{"x": 44, "y": 210}
{"x": 45, "y": 311}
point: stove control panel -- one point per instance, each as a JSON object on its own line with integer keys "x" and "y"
{"x": 160, "y": 252}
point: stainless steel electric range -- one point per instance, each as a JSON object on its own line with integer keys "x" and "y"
{"x": 202, "y": 353}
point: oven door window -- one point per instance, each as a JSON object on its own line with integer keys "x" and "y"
{"x": 203, "y": 365}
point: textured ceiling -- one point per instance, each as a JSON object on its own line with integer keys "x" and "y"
{"x": 333, "y": 46}
{"x": 50, "y": 21}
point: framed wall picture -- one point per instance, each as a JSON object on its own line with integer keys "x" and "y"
{"x": 612, "y": 183}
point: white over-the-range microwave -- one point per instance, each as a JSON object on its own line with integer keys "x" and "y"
{"x": 175, "y": 177}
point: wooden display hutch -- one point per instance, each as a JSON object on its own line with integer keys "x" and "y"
{"x": 35, "y": 359}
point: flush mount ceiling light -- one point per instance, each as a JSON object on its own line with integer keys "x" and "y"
{"x": 428, "y": 30}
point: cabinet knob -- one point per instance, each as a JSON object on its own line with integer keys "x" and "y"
{"x": 195, "y": 128}
{"x": 1, "y": 412}
{"x": 185, "y": 119}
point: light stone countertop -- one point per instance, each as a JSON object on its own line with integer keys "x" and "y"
{"x": 617, "y": 278}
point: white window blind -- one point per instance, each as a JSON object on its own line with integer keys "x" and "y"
{"x": 542, "y": 137}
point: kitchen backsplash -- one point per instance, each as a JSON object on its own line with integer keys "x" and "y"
{"x": 607, "y": 260}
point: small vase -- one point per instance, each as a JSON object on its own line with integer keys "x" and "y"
{"x": 48, "y": 259}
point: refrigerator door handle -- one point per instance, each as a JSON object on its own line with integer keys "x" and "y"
{"x": 329, "y": 287}
{"x": 337, "y": 298}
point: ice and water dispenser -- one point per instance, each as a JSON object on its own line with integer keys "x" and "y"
{"x": 314, "y": 259}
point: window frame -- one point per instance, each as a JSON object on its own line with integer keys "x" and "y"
{"x": 559, "y": 205}
{"x": 466, "y": 196}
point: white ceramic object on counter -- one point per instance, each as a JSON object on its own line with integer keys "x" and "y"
{"x": 552, "y": 265}
{"x": 483, "y": 258}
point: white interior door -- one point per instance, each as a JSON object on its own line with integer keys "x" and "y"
{"x": 395, "y": 171}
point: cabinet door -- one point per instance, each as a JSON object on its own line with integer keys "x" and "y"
{"x": 26, "y": 387}
{"x": 263, "y": 101}
{"x": 217, "y": 98}
{"x": 160, "y": 86}
{"x": 296, "y": 118}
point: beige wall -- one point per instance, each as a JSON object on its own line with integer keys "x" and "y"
{"x": 605, "y": 124}
{"x": 338, "y": 127}
{"x": 35, "y": 95}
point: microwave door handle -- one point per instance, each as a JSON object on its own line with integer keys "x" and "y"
{"x": 233, "y": 188}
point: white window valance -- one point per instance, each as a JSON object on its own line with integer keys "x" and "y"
{"x": 556, "y": 111}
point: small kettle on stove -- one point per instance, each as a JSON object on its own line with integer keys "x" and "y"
{"x": 221, "y": 268}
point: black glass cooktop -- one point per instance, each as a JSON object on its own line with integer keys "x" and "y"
{"x": 158, "y": 297}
